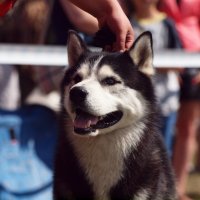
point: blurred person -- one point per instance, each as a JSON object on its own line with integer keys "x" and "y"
{"x": 186, "y": 15}
{"x": 146, "y": 16}
{"x": 109, "y": 13}
{"x": 33, "y": 14}
{"x": 12, "y": 30}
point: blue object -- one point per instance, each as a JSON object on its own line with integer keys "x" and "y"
{"x": 168, "y": 131}
{"x": 27, "y": 144}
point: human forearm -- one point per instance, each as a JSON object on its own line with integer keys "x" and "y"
{"x": 82, "y": 20}
{"x": 97, "y": 8}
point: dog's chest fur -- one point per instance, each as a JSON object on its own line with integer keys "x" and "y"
{"x": 109, "y": 147}
{"x": 103, "y": 157}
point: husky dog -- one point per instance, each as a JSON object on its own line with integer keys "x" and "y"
{"x": 109, "y": 147}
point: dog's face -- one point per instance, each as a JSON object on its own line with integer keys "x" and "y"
{"x": 103, "y": 92}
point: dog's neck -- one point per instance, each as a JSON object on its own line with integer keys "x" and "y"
{"x": 102, "y": 157}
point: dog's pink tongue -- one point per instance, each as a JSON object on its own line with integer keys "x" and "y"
{"x": 85, "y": 120}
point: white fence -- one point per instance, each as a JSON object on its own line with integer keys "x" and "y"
{"x": 57, "y": 56}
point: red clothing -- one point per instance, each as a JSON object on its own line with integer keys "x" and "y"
{"x": 5, "y": 6}
{"x": 187, "y": 20}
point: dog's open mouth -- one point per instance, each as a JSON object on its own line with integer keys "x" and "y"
{"x": 85, "y": 123}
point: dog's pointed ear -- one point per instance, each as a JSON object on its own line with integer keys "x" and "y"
{"x": 142, "y": 53}
{"x": 75, "y": 47}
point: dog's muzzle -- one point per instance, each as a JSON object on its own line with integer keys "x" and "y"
{"x": 86, "y": 123}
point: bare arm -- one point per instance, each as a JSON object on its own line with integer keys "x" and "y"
{"x": 96, "y": 8}
{"x": 109, "y": 13}
{"x": 82, "y": 20}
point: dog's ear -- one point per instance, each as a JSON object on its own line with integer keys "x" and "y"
{"x": 75, "y": 47}
{"x": 142, "y": 53}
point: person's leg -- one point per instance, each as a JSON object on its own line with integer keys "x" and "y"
{"x": 185, "y": 140}
{"x": 168, "y": 131}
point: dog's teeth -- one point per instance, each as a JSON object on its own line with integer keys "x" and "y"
{"x": 89, "y": 123}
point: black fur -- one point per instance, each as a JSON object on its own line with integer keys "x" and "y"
{"x": 146, "y": 167}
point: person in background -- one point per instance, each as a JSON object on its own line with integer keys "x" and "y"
{"x": 109, "y": 13}
{"x": 32, "y": 13}
{"x": 146, "y": 16}
{"x": 186, "y": 15}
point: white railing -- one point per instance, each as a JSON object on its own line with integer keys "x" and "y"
{"x": 57, "y": 56}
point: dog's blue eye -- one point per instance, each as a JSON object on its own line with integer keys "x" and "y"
{"x": 77, "y": 78}
{"x": 110, "y": 81}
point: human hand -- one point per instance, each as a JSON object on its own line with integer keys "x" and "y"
{"x": 110, "y": 14}
{"x": 120, "y": 26}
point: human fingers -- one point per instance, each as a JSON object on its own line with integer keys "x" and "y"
{"x": 119, "y": 45}
{"x": 129, "y": 39}
{"x": 124, "y": 40}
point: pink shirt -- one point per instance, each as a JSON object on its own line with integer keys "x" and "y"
{"x": 187, "y": 19}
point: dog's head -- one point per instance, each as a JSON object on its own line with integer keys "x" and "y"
{"x": 103, "y": 91}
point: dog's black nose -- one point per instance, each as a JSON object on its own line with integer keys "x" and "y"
{"x": 78, "y": 95}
